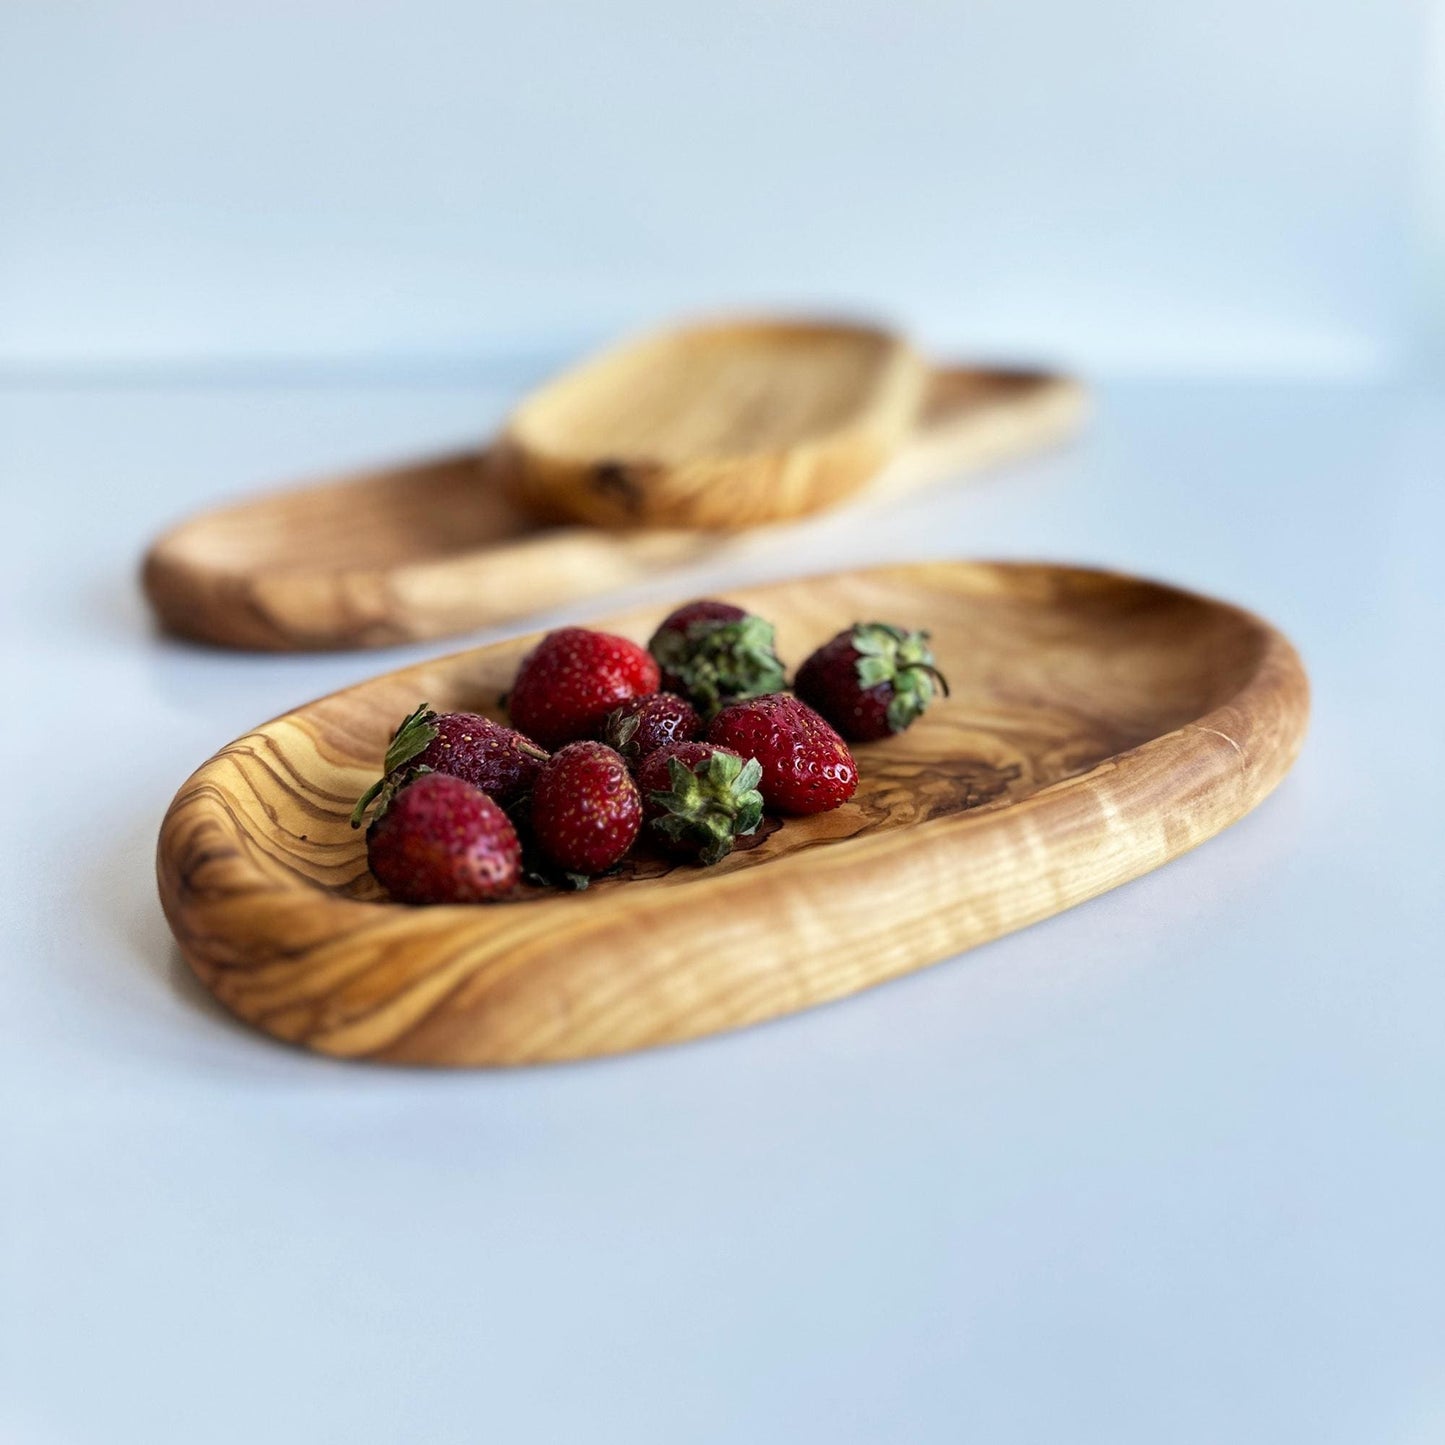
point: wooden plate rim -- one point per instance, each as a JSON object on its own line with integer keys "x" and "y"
{"x": 1232, "y": 757}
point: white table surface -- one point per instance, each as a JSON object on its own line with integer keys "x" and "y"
{"x": 1167, "y": 1168}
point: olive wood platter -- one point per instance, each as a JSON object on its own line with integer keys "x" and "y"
{"x": 1099, "y": 725}
{"x": 437, "y": 547}
{"x": 719, "y": 424}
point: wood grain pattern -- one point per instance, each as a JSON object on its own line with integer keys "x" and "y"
{"x": 1099, "y": 726}
{"x": 721, "y": 425}
{"x": 435, "y": 548}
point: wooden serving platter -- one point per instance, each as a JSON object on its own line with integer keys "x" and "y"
{"x": 436, "y": 547}
{"x": 719, "y": 424}
{"x": 1099, "y": 726}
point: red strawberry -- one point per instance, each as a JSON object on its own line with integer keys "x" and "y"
{"x": 698, "y": 797}
{"x": 572, "y": 679}
{"x": 586, "y": 810}
{"x": 496, "y": 759}
{"x": 644, "y": 724}
{"x": 702, "y": 609}
{"x": 872, "y": 680}
{"x": 807, "y": 767}
{"x": 714, "y": 653}
{"x": 443, "y": 841}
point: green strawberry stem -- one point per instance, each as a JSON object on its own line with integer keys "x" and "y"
{"x": 717, "y": 663}
{"x": 902, "y": 660}
{"x": 707, "y": 808}
{"x": 619, "y": 731}
{"x": 412, "y": 737}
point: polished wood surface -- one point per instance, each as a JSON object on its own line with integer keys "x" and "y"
{"x": 435, "y": 548}
{"x": 722, "y": 426}
{"x": 1099, "y": 726}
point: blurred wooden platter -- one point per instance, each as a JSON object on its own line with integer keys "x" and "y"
{"x": 716, "y": 425}
{"x": 1099, "y": 726}
{"x": 782, "y": 419}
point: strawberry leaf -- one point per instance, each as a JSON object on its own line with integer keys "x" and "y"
{"x": 902, "y": 661}
{"x": 412, "y": 737}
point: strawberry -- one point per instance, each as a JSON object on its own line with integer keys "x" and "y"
{"x": 572, "y": 679}
{"x": 714, "y": 653}
{"x": 872, "y": 680}
{"x": 806, "y": 766}
{"x": 586, "y": 810}
{"x": 440, "y": 840}
{"x": 644, "y": 724}
{"x": 496, "y": 759}
{"x": 698, "y": 797}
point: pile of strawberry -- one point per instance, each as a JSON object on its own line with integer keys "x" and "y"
{"x": 687, "y": 742}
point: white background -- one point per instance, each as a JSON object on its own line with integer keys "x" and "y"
{"x": 1123, "y": 184}
{"x": 1167, "y": 1168}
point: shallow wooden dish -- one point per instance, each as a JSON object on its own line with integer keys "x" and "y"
{"x": 719, "y": 425}
{"x": 435, "y": 547}
{"x": 1099, "y": 726}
